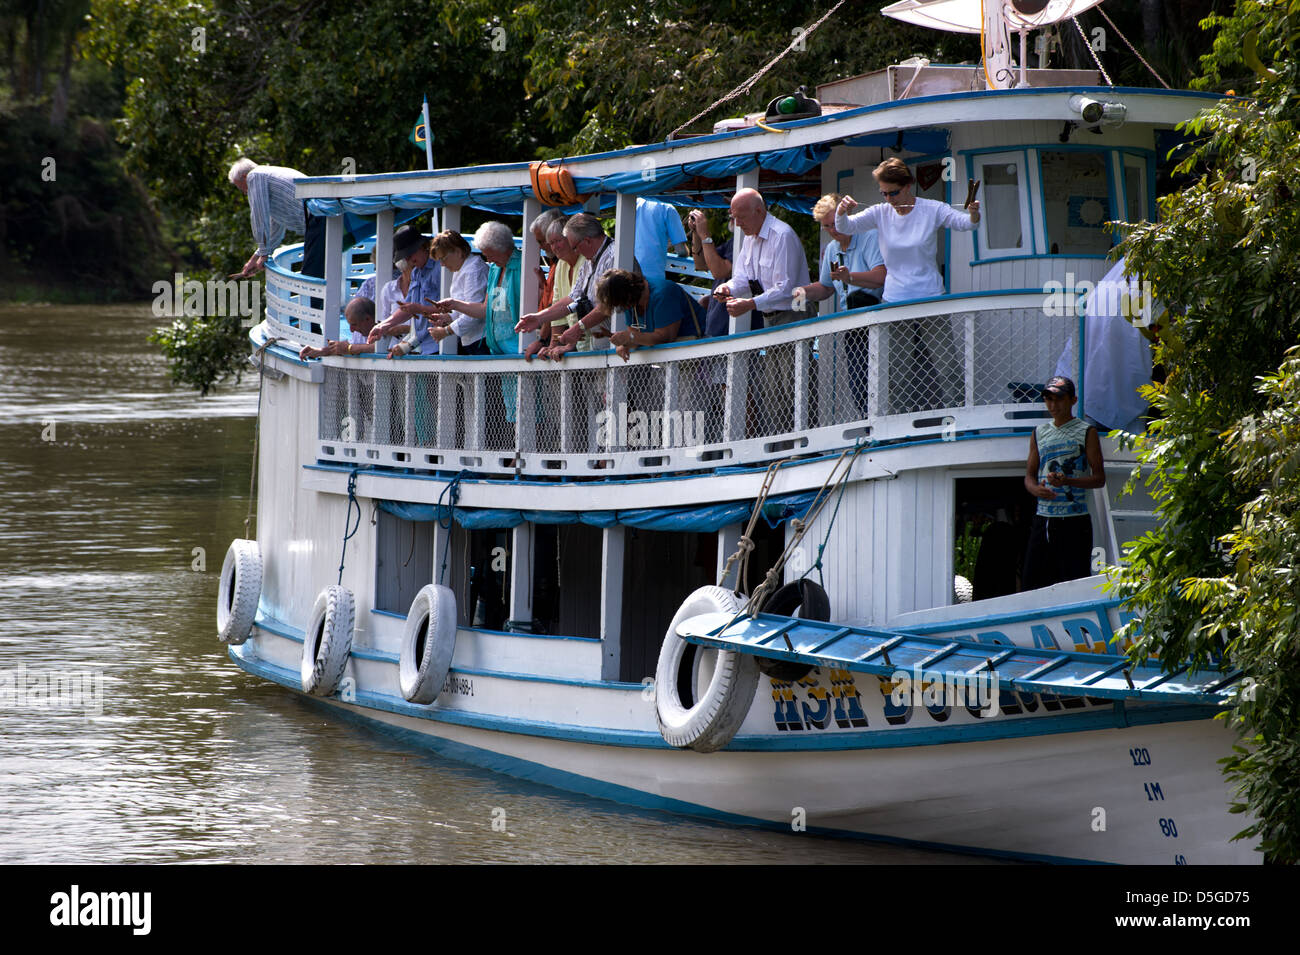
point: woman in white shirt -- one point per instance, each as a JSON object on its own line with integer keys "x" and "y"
{"x": 468, "y": 284}
{"x": 907, "y": 228}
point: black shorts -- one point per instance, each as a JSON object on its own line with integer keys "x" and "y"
{"x": 1060, "y": 548}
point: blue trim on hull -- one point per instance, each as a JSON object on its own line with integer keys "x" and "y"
{"x": 1114, "y": 717}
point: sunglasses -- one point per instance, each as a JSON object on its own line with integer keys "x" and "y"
{"x": 888, "y": 194}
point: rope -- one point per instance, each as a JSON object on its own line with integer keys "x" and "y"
{"x": 1133, "y": 48}
{"x": 450, "y": 491}
{"x": 1091, "y": 51}
{"x": 257, "y": 430}
{"x": 800, "y": 526}
{"x": 745, "y": 546}
{"x": 748, "y": 84}
{"x": 347, "y": 521}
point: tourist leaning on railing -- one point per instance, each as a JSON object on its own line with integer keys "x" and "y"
{"x": 499, "y": 307}
{"x": 656, "y": 309}
{"x": 584, "y": 232}
{"x": 567, "y": 264}
{"x": 418, "y": 283}
{"x": 360, "y": 313}
{"x": 540, "y": 228}
{"x": 468, "y": 284}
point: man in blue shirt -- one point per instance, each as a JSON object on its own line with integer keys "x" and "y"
{"x": 658, "y": 226}
{"x": 656, "y": 310}
{"x": 862, "y": 269}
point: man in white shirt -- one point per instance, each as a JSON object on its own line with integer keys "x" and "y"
{"x": 770, "y": 266}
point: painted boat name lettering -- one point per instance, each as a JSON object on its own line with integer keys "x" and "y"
{"x": 841, "y": 704}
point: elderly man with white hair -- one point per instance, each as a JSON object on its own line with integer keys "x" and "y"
{"x": 273, "y": 210}
{"x": 770, "y": 267}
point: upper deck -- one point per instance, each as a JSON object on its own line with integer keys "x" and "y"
{"x": 965, "y": 362}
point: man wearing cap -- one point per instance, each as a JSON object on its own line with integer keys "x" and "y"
{"x": 1064, "y": 464}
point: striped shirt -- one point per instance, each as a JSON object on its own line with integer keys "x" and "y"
{"x": 1064, "y": 449}
{"x": 272, "y": 206}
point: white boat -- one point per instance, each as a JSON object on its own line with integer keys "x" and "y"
{"x": 507, "y": 588}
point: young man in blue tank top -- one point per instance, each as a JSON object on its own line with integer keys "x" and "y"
{"x": 1064, "y": 464}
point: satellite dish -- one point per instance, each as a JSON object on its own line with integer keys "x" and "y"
{"x": 966, "y": 16}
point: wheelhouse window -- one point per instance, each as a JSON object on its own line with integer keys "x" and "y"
{"x": 1135, "y": 189}
{"x": 1003, "y": 205}
{"x": 1076, "y": 201}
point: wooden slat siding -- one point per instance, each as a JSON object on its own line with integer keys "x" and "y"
{"x": 397, "y": 578}
{"x": 943, "y": 511}
{"x": 457, "y": 573}
{"x": 847, "y": 566}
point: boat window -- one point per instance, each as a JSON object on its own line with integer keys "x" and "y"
{"x": 1076, "y": 201}
{"x": 403, "y": 563}
{"x": 566, "y": 570}
{"x": 991, "y": 529}
{"x": 1134, "y": 513}
{"x": 1135, "y": 189}
{"x": 1003, "y": 206}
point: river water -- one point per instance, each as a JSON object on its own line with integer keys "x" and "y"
{"x": 121, "y": 495}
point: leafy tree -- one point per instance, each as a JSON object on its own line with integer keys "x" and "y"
{"x": 1218, "y": 581}
{"x": 605, "y": 76}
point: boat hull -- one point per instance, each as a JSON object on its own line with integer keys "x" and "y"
{"x": 1057, "y": 787}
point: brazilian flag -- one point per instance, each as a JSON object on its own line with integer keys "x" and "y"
{"x": 419, "y": 134}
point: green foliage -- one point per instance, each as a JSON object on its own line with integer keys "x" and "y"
{"x": 604, "y": 76}
{"x": 68, "y": 214}
{"x": 1214, "y": 582}
{"x": 203, "y": 351}
{"x": 966, "y": 550}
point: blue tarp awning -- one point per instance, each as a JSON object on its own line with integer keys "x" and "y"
{"x": 705, "y": 518}
{"x": 638, "y": 181}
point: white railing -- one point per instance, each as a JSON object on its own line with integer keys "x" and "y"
{"x": 290, "y": 314}
{"x": 932, "y": 368}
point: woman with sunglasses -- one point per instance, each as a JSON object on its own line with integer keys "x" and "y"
{"x": 907, "y": 228}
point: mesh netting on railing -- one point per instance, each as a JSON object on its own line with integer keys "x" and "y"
{"x": 709, "y": 404}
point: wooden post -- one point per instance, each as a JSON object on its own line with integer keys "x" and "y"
{"x": 383, "y": 258}
{"x": 521, "y": 573}
{"x": 611, "y": 601}
{"x": 728, "y": 541}
{"x": 451, "y": 344}
{"x": 624, "y": 247}
{"x": 333, "y": 276}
